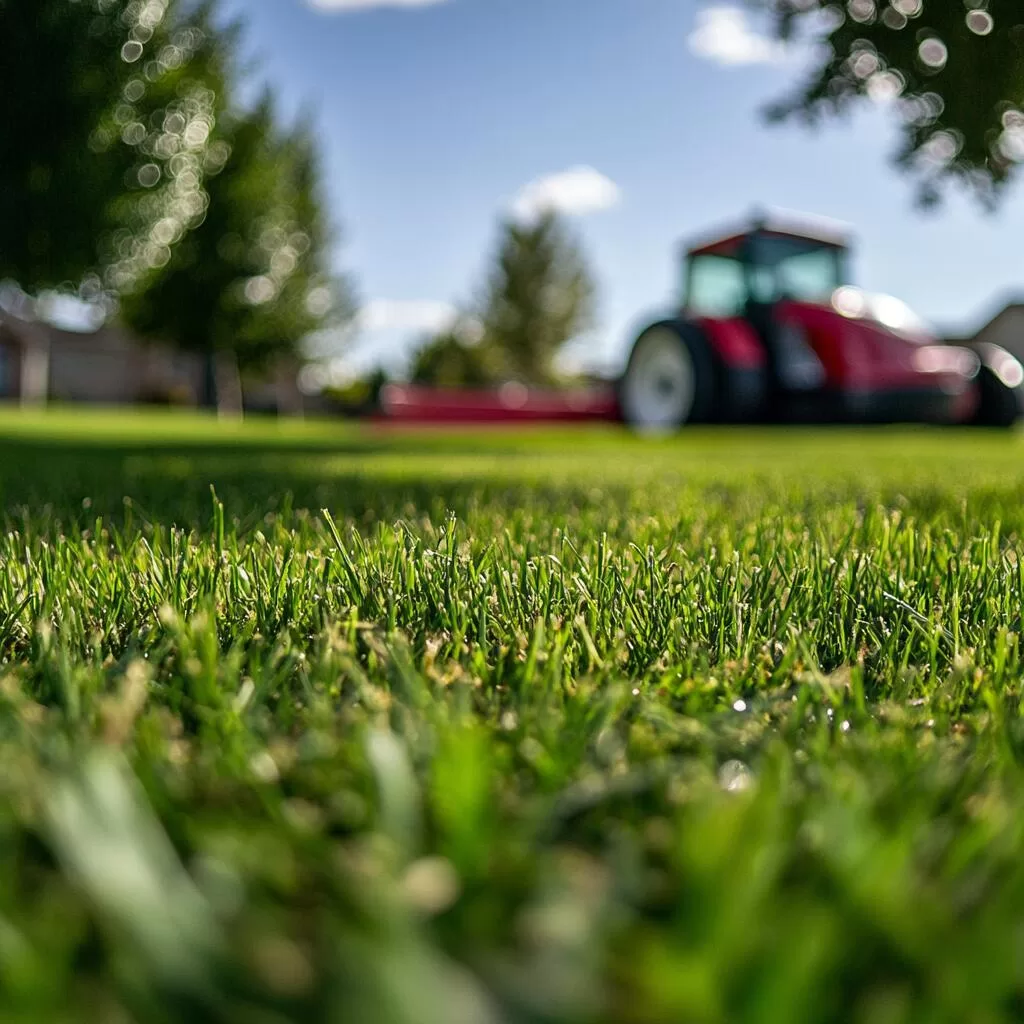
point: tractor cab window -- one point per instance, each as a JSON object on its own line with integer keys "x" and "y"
{"x": 809, "y": 277}
{"x": 717, "y": 286}
{"x": 762, "y": 268}
{"x": 791, "y": 268}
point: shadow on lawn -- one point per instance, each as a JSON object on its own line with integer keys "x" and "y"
{"x": 169, "y": 482}
{"x": 381, "y": 477}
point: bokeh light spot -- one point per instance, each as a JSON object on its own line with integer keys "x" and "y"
{"x": 980, "y": 23}
{"x": 149, "y": 175}
{"x": 933, "y": 53}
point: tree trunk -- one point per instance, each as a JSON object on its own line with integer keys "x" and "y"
{"x": 35, "y": 370}
{"x": 208, "y": 397}
{"x": 33, "y": 363}
{"x": 229, "y": 386}
{"x": 285, "y": 376}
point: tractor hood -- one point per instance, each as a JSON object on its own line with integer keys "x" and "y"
{"x": 886, "y": 311}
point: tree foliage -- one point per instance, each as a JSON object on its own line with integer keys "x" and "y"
{"x": 105, "y": 101}
{"x": 253, "y": 279}
{"x": 451, "y": 360}
{"x": 953, "y": 72}
{"x": 539, "y": 295}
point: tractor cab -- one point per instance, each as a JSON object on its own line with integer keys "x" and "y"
{"x": 768, "y": 263}
{"x": 756, "y": 274}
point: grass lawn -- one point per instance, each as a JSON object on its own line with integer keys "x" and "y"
{"x": 535, "y": 726}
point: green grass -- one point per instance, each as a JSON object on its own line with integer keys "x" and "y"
{"x": 543, "y": 726}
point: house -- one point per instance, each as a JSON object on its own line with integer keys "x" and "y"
{"x": 40, "y": 363}
{"x": 1006, "y": 328}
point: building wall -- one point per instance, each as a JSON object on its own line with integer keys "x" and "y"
{"x": 91, "y": 368}
{"x": 1007, "y": 330}
{"x": 109, "y": 367}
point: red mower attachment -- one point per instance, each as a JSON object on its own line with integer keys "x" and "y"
{"x": 512, "y": 403}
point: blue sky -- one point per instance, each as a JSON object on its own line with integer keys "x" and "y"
{"x": 436, "y": 114}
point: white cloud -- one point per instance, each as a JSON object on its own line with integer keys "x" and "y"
{"x": 419, "y": 315}
{"x": 575, "y": 191}
{"x": 723, "y": 33}
{"x": 366, "y": 5}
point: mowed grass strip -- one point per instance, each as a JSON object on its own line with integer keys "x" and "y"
{"x": 319, "y": 722}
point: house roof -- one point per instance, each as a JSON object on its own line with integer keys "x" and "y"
{"x": 1000, "y": 309}
{"x": 1008, "y": 305}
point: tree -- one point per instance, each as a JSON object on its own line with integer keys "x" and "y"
{"x": 452, "y": 360}
{"x": 539, "y": 296}
{"x": 126, "y": 172}
{"x": 953, "y": 71}
{"x": 94, "y": 92}
{"x": 253, "y": 280}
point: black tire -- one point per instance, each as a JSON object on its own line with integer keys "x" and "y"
{"x": 1000, "y": 386}
{"x": 679, "y": 352}
{"x": 999, "y": 405}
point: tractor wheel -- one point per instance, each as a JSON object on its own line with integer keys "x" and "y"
{"x": 669, "y": 379}
{"x": 1000, "y": 383}
{"x": 998, "y": 404}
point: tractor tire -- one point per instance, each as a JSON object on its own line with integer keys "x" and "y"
{"x": 669, "y": 380}
{"x": 998, "y": 405}
{"x": 1000, "y": 389}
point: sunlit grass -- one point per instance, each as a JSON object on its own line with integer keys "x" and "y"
{"x": 508, "y": 726}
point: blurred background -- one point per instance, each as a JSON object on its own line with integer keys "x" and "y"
{"x": 281, "y": 206}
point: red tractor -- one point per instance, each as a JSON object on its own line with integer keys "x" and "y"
{"x": 771, "y": 332}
